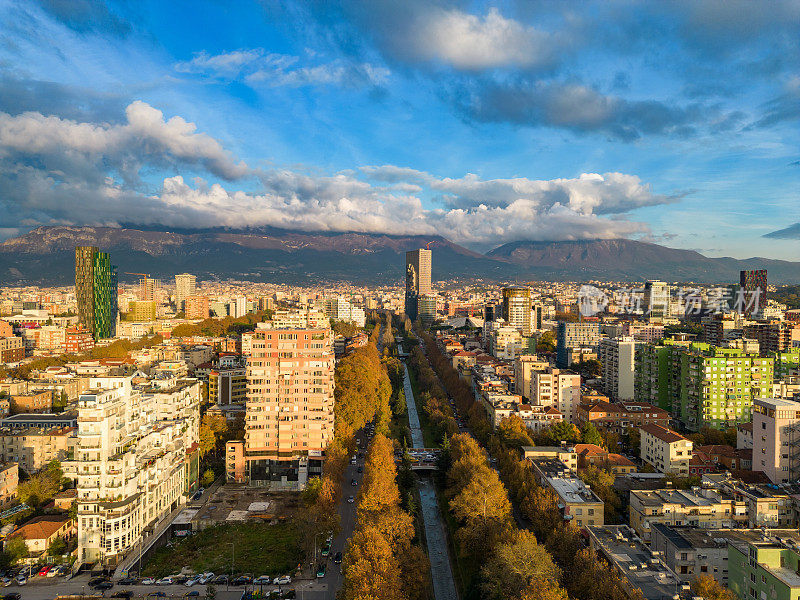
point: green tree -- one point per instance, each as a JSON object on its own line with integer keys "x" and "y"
{"x": 16, "y": 549}
{"x": 208, "y": 477}
{"x": 590, "y": 435}
{"x": 711, "y": 589}
{"x": 562, "y": 431}
{"x": 57, "y": 547}
{"x": 546, "y": 342}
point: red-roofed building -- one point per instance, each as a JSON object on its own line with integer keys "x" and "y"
{"x": 594, "y": 455}
{"x": 667, "y": 451}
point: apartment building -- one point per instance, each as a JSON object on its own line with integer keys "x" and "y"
{"x": 559, "y": 389}
{"x": 9, "y": 480}
{"x": 130, "y": 463}
{"x": 619, "y": 417}
{"x": 525, "y": 367}
{"x": 12, "y": 349}
{"x": 704, "y": 385}
{"x": 702, "y": 508}
{"x": 765, "y": 566}
{"x": 32, "y": 402}
{"x": 227, "y": 386}
{"x": 776, "y": 438}
{"x": 289, "y": 419}
{"x": 574, "y": 335}
{"x": 665, "y": 450}
{"x": 616, "y": 355}
{"x": 568, "y": 455}
{"x": 578, "y": 503}
{"x": 33, "y": 448}
{"x": 196, "y": 307}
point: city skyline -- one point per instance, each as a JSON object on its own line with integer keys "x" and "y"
{"x": 492, "y": 123}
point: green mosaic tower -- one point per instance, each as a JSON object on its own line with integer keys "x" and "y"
{"x": 96, "y": 291}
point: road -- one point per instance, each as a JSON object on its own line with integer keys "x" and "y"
{"x": 444, "y": 587}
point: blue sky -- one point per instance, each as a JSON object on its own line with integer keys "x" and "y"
{"x": 674, "y": 122}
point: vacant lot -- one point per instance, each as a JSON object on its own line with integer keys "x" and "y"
{"x": 256, "y": 549}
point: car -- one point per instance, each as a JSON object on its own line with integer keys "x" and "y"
{"x": 351, "y": 499}
{"x": 360, "y": 470}
{"x": 353, "y": 460}
{"x": 7, "y": 581}
{"x": 192, "y": 580}
{"x": 44, "y": 570}
{"x": 337, "y": 558}
{"x": 321, "y": 570}
{"x": 127, "y": 581}
{"x": 197, "y": 495}
{"x": 122, "y": 594}
{"x": 205, "y": 578}
{"x": 353, "y": 482}
{"x": 56, "y": 571}
{"x": 165, "y": 581}
{"x": 326, "y": 549}
{"x": 104, "y": 585}
{"x": 179, "y": 579}
{"x": 148, "y": 581}
{"x": 95, "y": 580}
{"x": 193, "y": 594}
{"x": 11, "y": 596}
{"x": 242, "y": 580}
{"x": 21, "y": 580}
{"x": 156, "y": 595}
{"x": 282, "y": 580}
{"x": 221, "y": 579}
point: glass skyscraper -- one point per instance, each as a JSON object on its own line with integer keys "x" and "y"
{"x": 96, "y": 291}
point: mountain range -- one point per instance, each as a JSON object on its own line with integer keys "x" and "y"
{"x": 46, "y": 256}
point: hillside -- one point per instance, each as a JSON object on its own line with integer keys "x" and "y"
{"x": 46, "y": 255}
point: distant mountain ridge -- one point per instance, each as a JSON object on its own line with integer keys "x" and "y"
{"x": 46, "y": 256}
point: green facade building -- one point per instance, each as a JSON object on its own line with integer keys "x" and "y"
{"x": 787, "y": 365}
{"x": 700, "y": 384}
{"x": 764, "y": 570}
{"x": 96, "y": 291}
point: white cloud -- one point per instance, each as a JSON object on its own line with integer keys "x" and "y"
{"x": 256, "y": 66}
{"x": 61, "y": 171}
{"x": 470, "y": 42}
{"x": 146, "y": 136}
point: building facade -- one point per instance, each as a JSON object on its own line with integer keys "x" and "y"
{"x": 617, "y": 358}
{"x": 96, "y": 291}
{"x": 418, "y": 279}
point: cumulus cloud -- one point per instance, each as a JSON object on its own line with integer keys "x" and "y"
{"x": 470, "y": 42}
{"x": 257, "y": 66}
{"x": 55, "y": 170}
{"x": 145, "y": 137}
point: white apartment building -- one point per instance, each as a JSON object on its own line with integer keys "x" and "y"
{"x": 185, "y": 286}
{"x": 557, "y": 388}
{"x": 665, "y": 450}
{"x": 616, "y": 356}
{"x": 525, "y": 367}
{"x": 131, "y": 460}
{"x": 776, "y": 436}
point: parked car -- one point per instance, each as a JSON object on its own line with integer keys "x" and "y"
{"x": 44, "y": 570}
{"x": 321, "y": 570}
{"x": 104, "y": 585}
{"x": 351, "y": 499}
{"x": 7, "y": 581}
{"x": 243, "y": 580}
{"x": 56, "y": 571}
{"x": 148, "y": 581}
{"x": 128, "y": 581}
{"x": 205, "y": 578}
{"x": 122, "y": 594}
{"x": 156, "y": 595}
{"x": 95, "y": 580}
{"x": 262, "y": 580}
{"x": 165, "y": 581}
{"x": 360, "y": 469}
{"x": 193, "y": 594}
{"x": 353, "y": 482}
{"x": 11, "y": 596}
{"x": 21, "y": 580}
{"x": 282, "y": 580}
{"x": 221, "y": 579}
{"x": 337, "y": 558}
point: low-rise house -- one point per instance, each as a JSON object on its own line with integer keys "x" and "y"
{"x": 665, "y": 450}
{"x": 593, "y": 455}
{"x": 40, "y": 532}
{"x": 566, "y": 454}
{"x": 619, "y": 417}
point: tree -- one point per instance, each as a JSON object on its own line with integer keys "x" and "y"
{"x": 562, "y": 431}
{"x": 547, "y": 591}
{"x": 42, "y": 486}
{"x": 590, "y": 435}
{"x": 208, "y": 477}
{"x": 546, "y": 342}
{"x": 517, "y": 565}
{"x": 514, "y": 433}
{"x": 371, "y": 570}
{"x": 16, "y": 549}
{"x": 379, "y": 489}
{"x": 711, "y": 589}
{"x": 57, "y": 547}
{"x": 207, "y": 439}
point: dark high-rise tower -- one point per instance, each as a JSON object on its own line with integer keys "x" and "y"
{"x": 96, "y": 291}
{"x": 753, "y": 287}
{"x": 418, "y": 279}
